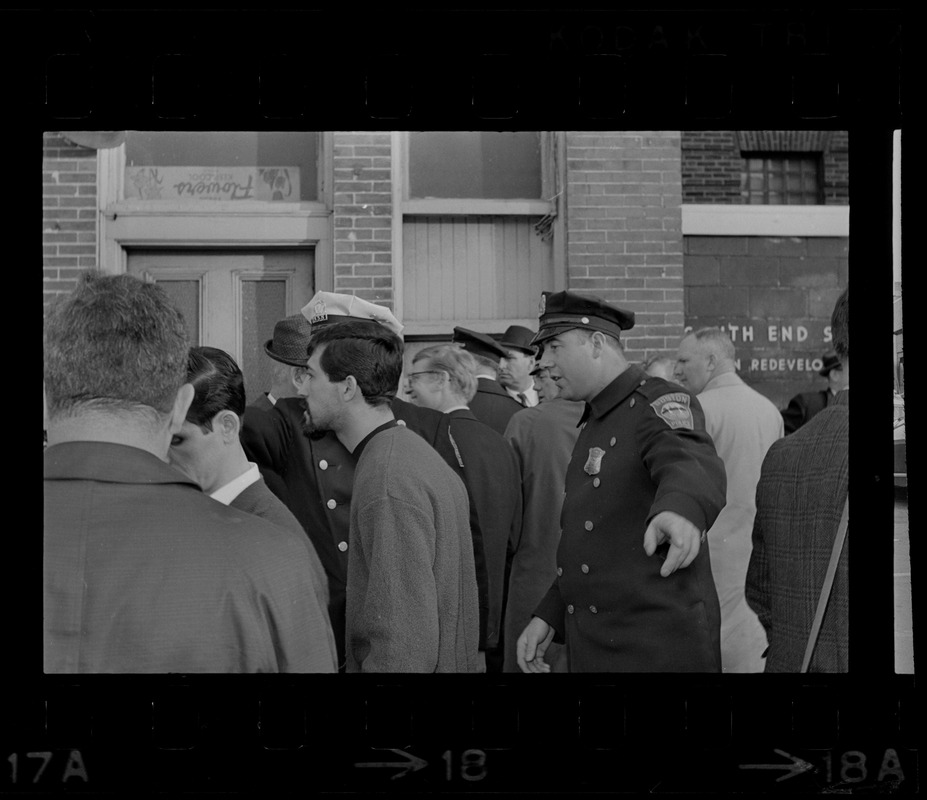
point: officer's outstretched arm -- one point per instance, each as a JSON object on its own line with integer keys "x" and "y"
{"x": 684, "y": 538}
{"x": 532, "y": 644}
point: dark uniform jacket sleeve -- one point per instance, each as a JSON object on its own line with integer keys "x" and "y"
{"x": 683, "y": 464}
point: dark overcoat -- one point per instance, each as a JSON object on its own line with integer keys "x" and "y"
{"x": 643, "y": 449}
{"x": 490, "y": 473}
{"x": 492, "y": 405}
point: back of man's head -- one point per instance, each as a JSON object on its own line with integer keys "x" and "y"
{"x": 459, "y": 365}
{"x": 115, "y": 346}
{"x": 717, "y": 341}
{"x": 369, "y": 351}
{"x": 218, "y": 385}
{"x": 840, "y": 325}
{"x": 485, "y": 365}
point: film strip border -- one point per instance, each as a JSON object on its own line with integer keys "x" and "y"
{"x": 623, "y": 735}
{"x": 235, "y": 68}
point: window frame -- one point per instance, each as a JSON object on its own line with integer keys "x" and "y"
{"x": 777, "y": 157}
{"x": 553, "y": 202}
{"x": 125, "y": 224}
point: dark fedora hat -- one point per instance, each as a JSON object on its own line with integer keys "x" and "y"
{"x": 290, "y": 342}
{"x": 519, "y": 338}
{"x": 480, "y": 344}
{"x": 830, "y": 362}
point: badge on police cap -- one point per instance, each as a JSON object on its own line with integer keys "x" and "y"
{"x": 674, "y": 410}
{"x": 594, "y": 462}
{"x": 318, "y": 313}
{"x": 542, "y": 306}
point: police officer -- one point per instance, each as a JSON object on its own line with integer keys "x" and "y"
{"x": 634, "y": 590}
{"x": 492, "y": 404}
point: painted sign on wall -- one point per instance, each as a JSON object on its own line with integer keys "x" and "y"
{"x": 270, "y": 184}
{"x": 786, "y": 346}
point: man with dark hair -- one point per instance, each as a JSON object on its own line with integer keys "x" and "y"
{"x": 644, "y": 481}
{"x": 800, "y": 498}
{"x": 805, "y": 405}
{"x": 515, "y": 367}
{"x": 411, "y": 583}
{"x": 491, "y": 404}
{"x": 317, "y": 470}
{"x": 143, "y": 572}
{"x": 207, "y": 449}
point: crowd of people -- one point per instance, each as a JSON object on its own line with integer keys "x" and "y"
{"x": 529, "y": 503}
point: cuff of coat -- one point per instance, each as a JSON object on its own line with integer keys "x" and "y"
{"x": 551, "y": 609}
{"x": 684, "y": 505}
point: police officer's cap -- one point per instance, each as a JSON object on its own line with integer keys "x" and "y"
{"x": 563, "y": 311}
{"x": 480, "y": 344}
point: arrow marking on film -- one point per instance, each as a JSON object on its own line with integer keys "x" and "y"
{"x": 797, "y": 766}
{"x": 411, "y": 764}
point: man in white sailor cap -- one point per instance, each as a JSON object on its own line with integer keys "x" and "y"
{"x": 316, "y": 468}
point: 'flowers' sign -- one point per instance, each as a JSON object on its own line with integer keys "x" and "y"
{"x": 212, "y": 183}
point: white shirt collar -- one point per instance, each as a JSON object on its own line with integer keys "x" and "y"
{"x": 226, "y": 494}
{"x": 456, "y": 408}
{"x": 531, "y": 395}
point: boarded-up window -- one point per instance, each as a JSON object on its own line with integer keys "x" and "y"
{"x": 473, "y": 268}
{"x": 476, "y": 232}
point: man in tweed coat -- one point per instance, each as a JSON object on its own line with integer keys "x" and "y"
{"x": 799, "y": 500}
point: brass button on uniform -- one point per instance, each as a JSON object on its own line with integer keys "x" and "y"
{"x": 593, "y": 609}
{"x": 342, "y": 546}
{"x": 559, "y": 570}
{"x": 612, "y": 442}
{"x": 401, "y": 422}
{"x": 632, "y": 402}
{"x": 570, "y": 609}
{"x": 323, "y": 464}
{"x": 588, "y": 526}
{"x": 585, "y": 569}
{"x": 331, "y": 504}
{"x": 596, "y": 482}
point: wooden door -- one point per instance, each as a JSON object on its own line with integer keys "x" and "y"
{"x": 231, "y": 298}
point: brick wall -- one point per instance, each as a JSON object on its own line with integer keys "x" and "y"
{"x": 711, "y": 161}
{"x": 624, "y": 240}
{"x": 711, "y": 166}
{"x": 363, "y": 209}
{"x": 747, "y": 283}
{"x": 69, "y": 213}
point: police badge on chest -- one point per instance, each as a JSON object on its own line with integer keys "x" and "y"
{"x": 594, "y": 462}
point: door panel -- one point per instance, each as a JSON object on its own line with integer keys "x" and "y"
{"x": 231, "y": 299}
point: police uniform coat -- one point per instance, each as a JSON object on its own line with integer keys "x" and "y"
{"x": 542, "y": 438}
{"x": 490, "y": 473}
{"x": 803, "y": 407}
{"x": 743, "y": 425}
{"x": 319, "y": 477}
{"x": 643, "y": 449}
{"x": 259, "y": 422}
{"x": 493, "y": 405}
